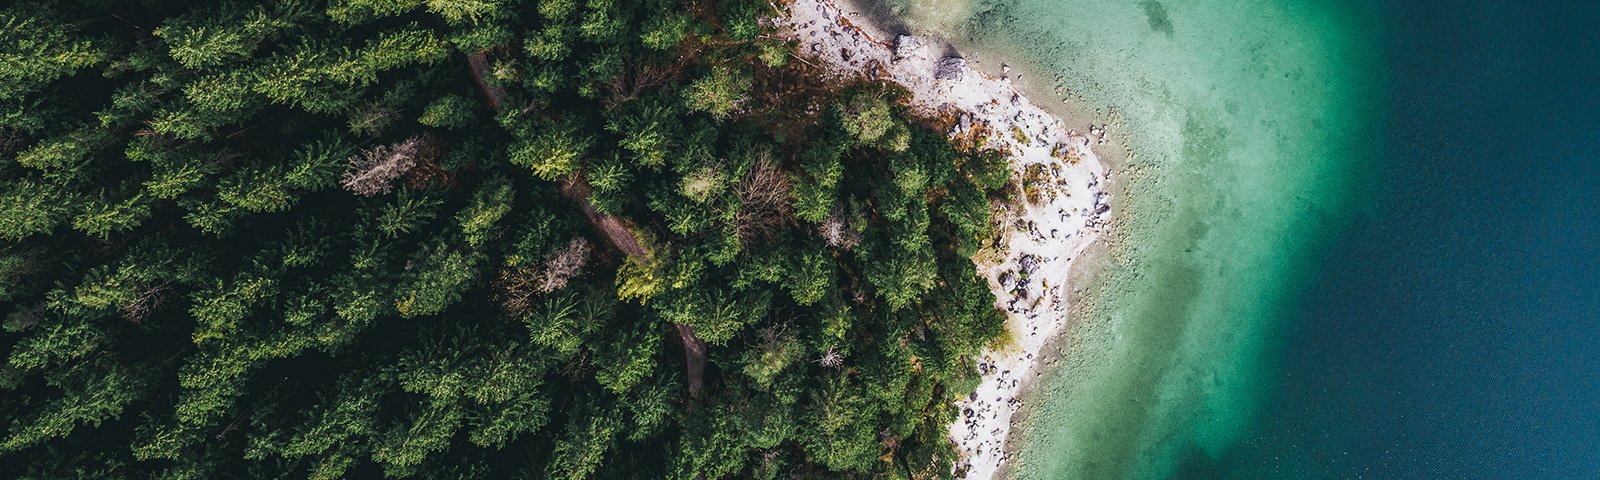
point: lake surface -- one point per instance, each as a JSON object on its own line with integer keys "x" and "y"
{"x": 1454, "y": 332}
{"x": 1362, "y": 239}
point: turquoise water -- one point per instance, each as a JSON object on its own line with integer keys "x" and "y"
{"x": 1248, "y": 126}
{"x": 1363, "y": 237}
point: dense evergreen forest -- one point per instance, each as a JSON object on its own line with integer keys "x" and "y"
{"x": 472, "y": 239}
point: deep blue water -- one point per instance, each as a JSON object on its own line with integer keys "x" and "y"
{"x": 1453, "y": 329}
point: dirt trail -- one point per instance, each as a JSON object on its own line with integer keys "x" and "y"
{"x": 615, "y": 230}
{"x": 576, "y": 188}
{"x": 479, "y": 63}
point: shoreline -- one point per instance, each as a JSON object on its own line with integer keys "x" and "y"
{"x": 1064, "y": 208}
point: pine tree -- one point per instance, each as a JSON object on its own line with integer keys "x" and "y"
{"x": 605, "y": 248}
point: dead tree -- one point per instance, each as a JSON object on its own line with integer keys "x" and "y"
{"x": 519, "y": 285}
{"x": 563, "y": 265}
{"x": 832, "y": 359}
{"x": 633, "y": 82}
{"x": 373, "y": 171}
{"x": 838, "y": 233}
{"x": 150, "y": 298}
{"x": 763, "y": 202}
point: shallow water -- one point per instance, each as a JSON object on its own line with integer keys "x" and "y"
{"x": 1363, "y": 238}
{"x": 1248, "y": 123}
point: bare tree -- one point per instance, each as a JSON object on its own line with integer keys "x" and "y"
{"x": 519, "y": 285}
{"x": 838, "y": 233}
{"x": 832, "y": 359}
{"x": 149, "y": 299}
{"x": 373, "y": 171}
{"x": 563, "y": 265}
{"x": 764, "y": 202}
{"x": 579, "y": 367}
{"x": 632, "y": 82}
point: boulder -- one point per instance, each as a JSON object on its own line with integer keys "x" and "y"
{"x": 907, "y": 47}
{"x": 951, "y": 68}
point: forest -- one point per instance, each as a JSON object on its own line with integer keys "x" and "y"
{"x": 473, "y": 239}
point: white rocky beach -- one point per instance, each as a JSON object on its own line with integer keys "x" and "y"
{"x": 1063, "y": 210}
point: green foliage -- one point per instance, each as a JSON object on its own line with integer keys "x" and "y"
{"x": 719, "y": 92}
{"x": 559, "y": 324}
{"x": 439, "y": 276}
{"x": 742, "y": 18}
{"x": 836, "y": 437}
{"x": 397, "y": 49}
{"x": 811, "y": 277}
{"x": 103, "y": 216}
{"x": 192, "y": 286}
{"x": 89, "y": 397}
{"x": 257, "y": 190}
{"x": 17, "y": 265}
{"x": 317, "y": 164}
{"x": 220, "y": 309}
{"x": 406, "y": 214}
{"x": 866, "y": 117}
{"x": 774, "y": 54}
{"x": 210, "y": 38}
{"x": 817, "y": 190}
{"x": 451, "y": 111}
{"x": 715, "y": 317}
{"x": 36, "y": 48}
{"x": 904, "y": 266}
{"x": 64, "y": 152}
{"x": 967, "y": 209}
{"x": 360, "y": 11}
{"x": 480, "y": 220}
{"x": 172, "y": 181}
{"x": 57, "y": 344}
{"x": 665, "y": 32}
{"x": 649, "y": 130}
{"x": 455, "y": 12}
{"x": 466, "y": 11}
{"x": 32, "y": 208}
{"x": 639, "y": 280}
{"x": 625, "y": 364}
{"x": 553, "y": 152}
{"x": 988, "y": 169}
{"x": 777, "y": 351}
{"x": 583, "y": 446}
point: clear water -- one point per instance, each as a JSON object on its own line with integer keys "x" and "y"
{"x": 1452, "y": 333}
{"x": 1363, "y": 239}
{"x": 1247, "y": 123}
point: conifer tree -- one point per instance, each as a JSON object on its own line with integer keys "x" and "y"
{"x": 470, "y": 238}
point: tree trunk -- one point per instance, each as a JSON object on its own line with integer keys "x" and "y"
{"x": 694, "y": 358}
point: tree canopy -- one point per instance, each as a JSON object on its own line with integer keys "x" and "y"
{"x": 380, "y": 238}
